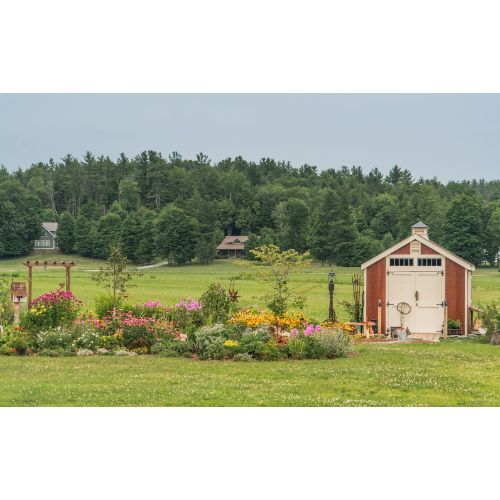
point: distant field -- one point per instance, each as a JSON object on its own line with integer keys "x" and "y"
{"x": 168, "y": 284}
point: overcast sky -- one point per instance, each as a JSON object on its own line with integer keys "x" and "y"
{"x": 451, "y": 136}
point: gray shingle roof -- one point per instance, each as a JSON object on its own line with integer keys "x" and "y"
{"x": 420, "y": 224}
{"x": 51, "y": 227}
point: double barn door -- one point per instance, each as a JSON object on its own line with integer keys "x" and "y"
{"x": 424, "y": 292}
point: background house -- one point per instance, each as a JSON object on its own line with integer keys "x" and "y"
{"x": 48, "y": 239}
{"x": 232, "y": 246}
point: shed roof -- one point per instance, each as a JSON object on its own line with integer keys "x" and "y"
{"x": 431, "y": 244}
{"x": 51, "y": 227}
{"x": 233, "y": 243}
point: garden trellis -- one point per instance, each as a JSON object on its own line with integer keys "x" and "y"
{"x": 31, "y": 264}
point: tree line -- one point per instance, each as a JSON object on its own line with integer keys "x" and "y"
{"x": 180, "y": 209}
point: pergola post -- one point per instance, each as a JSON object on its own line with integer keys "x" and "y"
{"x": 30, "y": 283}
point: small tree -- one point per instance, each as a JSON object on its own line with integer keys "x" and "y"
{"x": 115, "y": 277}
{"x": 274, "y": 268}
{"x": 66, "y": 233}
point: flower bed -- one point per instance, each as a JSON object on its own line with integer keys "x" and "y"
{"x": 51, "y": 327}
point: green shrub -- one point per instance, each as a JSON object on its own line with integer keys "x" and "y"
{"x": 491, "y": 316}
{"x": 270, "y": 351}
{"x": 333, "y": 343}
{"x": 253, "y": 341}
{"x": 55, "y": 338}
{"x": 85, "y": 337}
{"x": 6, "y": 350}
{"x": 102, "y": 305}
{"x": 216, "y": 304}
{"x": 109, "y": 342}
{"x": 297, "y": 346}
{"x": 137, "y": 336}
{"x": 210, "y": 341}
{"x": 454, "y": 324}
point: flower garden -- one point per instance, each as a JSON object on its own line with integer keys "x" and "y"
{"x": 212, "y": 328}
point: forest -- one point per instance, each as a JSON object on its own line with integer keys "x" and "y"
{"x": 179, "y": 209}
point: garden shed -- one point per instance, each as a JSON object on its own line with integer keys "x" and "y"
{"x": 419, "y": 285}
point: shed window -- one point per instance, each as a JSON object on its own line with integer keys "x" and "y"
{"x": 429, "y": 262}
{"x": 400, "y": 262}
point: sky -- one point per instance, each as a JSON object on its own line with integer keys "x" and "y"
{"x": 448, "y": 136}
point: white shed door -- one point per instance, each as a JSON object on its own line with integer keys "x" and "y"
{"x": 429, "y": 295}
{"x": 400, "y": 288}
{"x": 424, "y": 291}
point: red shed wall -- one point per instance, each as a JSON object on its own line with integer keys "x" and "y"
{"x": 405, "y": 250}
{"x": 455, "y": 290}
{"x": 375, "y": 279}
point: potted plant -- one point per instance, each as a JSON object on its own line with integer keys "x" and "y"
{"x": 454, "y": 327}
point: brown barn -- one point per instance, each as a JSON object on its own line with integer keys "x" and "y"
{"x": 424, "y": 275}
{"x": 232, "y": 246}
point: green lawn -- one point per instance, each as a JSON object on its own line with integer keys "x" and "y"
{"x": 453, "y": 373}
{"x": 169, "y": 283}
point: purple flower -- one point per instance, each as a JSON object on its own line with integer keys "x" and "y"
{"x": 188, "y": 304}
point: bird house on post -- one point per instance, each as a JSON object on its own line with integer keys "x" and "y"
{"x": 18, "y": 293}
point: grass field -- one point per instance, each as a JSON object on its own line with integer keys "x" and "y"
{"x": 168, "y": 284}
{"x": 452, "y": 373}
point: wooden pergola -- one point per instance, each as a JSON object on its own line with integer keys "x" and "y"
{"x": 30, "y": 264}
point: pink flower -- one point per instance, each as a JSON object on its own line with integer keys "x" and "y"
{"x": 152, "y": 303}
{"x": 188, "y": 304}
{"x": 309, "y": 330}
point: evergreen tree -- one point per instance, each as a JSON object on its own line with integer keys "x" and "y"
{"x": 66, "y": 233}
{"x": 292, "y": 218}
{"x": 463, "y": 228}
{"x": 176, "y": 235}
{"x": 354, "y": 253}
{"x": 132, "y": 236}
{"x": 128, "y": 193}
{"x": 492, "y": 235}
{"x": 84, "y": 236}
{"x": 109, "y": 230}
{"x": 206, "y": 248}
{"x": 333, "y": 224}
{"x": 146, "y": 250}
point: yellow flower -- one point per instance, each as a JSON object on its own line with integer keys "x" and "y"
{"x": 231, "y": 343}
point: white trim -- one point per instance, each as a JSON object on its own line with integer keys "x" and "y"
{"x": 434, "y": 246}
{"x": 365, "y": 272}
{"x": 466, "y": 302}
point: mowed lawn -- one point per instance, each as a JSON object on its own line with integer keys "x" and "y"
{"x": 168, "y": 284}
{"x": 453, "y": 373}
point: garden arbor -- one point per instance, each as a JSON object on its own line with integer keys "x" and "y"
{"x": 31, "y": 264}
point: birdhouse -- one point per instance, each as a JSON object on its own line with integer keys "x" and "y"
{"x": 18, "y": 292}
